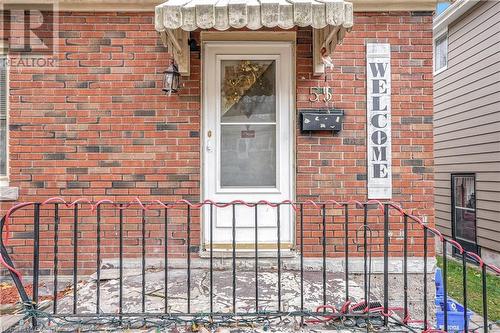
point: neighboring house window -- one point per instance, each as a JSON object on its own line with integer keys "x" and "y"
{"x": 464, "y": 210}
{"x": 3, "y": 118}
{"x": 441, "y": 52}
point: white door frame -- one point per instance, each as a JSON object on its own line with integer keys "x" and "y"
{"x": 279, "y": 51}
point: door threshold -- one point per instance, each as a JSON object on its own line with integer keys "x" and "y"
{"x": 240, "y": 253}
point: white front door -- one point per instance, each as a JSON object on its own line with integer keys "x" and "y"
{"x": 248, "y": 109}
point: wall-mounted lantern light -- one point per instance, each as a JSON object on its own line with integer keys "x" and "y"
{"x": 171, "y": 78}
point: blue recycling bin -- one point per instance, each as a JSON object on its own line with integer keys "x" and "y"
{"x": 438, "y": 280}
{"x": 455, "y": 316}
{"x": 455, "y": 310}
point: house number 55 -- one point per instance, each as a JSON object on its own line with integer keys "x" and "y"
{"x": 317, "y": 92}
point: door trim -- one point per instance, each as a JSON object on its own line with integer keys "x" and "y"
{"x": 257, "y": 39}
{"x": 249, "y": 36}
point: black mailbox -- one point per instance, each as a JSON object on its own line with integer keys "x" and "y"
{"x": 321, "y": 120}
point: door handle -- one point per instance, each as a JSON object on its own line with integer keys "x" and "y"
{"x": 209, "y": 141}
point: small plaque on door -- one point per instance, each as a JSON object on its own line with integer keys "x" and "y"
{"x": 250, "y": 134}
{"x": 321, "y": 120}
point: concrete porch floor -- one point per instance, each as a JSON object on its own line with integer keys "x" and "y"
{"x": 200, "y": 291}
{"x": 223, "y": 293}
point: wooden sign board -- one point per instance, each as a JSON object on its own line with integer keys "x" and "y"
{"x": 378, "y": 115}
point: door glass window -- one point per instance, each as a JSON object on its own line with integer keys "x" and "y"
{"x": 248, "y": 155}
{"x": 248, "y": 91}
{"x": 464, "y": 207}
{"x": 248, "y": 123}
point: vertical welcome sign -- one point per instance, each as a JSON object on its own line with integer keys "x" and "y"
{"x": 378, "y": 109}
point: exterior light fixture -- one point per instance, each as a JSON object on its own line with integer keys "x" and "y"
{"x": 171, "y": 78}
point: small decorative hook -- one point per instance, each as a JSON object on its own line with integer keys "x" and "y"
{"x": 368, "y": 237}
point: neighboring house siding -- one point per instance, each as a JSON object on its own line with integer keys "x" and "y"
{"x": 467, "y": 119}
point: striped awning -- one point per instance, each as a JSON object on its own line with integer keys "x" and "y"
{"x": 331, "y": 19}
{"x": 190, "y": 15}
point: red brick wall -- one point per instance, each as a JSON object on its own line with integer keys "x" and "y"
{"x": 333, "y": 166}
{"x": 99, "y": 126}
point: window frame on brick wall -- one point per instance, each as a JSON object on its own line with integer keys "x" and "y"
{"x": 439, "y": 37}
{"x": 4, "y": 176}
{"x": 469, "y": 245}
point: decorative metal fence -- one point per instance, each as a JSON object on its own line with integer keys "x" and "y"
{"x": 65, "y": 232}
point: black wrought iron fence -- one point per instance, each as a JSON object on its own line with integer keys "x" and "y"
{"x": 75, "y": 239}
